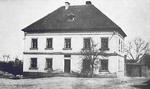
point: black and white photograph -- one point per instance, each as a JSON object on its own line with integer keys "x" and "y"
{"x": 74, "y": 44}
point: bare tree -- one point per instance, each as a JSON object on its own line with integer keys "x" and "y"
{"x": 6, "y": 57}
{"x": 89, "y": 59}
{"x": 137, "y": 48}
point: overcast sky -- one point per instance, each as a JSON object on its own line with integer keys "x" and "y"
{"x": 133, "y": 16}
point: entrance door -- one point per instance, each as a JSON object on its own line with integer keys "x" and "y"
{"x": 67, "y": 66}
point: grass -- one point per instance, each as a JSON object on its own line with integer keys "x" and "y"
{"x": 75, "y": 83}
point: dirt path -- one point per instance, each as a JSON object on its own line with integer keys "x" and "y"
{"x": 73, "y": 83}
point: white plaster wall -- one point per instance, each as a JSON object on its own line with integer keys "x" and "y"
{"x": 113, "y": 64}
{"x": 58, "y": 62}
{"x": 76, "y": 45}
{"x": 40, "y": 63}
{"x": 76, "y": 63}
{"x": 121, "y": 66}
{"x": 76, "y": 39}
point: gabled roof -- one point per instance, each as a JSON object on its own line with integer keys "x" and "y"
{"x": 79, "y": 18}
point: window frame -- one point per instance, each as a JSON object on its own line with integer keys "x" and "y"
{"x": 67, "y": 45}
{"x": 103, "y": 48}
{"x": 49, "y": 46}
{"x": 47, "y": 64}
{"x": 103, "y": 68}
{"x": 34, "y": 46}
{"x": 33, "y": 65}
{"x": 84, "y": 43}
{"x": 119, "y": 45}
{"x": 70, "y": 17}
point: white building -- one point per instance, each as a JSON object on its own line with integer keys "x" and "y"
{"x": 54, "y": 42}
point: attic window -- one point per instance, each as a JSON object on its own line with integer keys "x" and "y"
{"x": 70, "y": 17}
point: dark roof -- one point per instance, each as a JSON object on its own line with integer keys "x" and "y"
{"x": 77, "y": 18}
{"x": 145, "y": 60}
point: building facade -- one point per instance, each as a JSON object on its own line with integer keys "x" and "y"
{"x": 54, "y": 42}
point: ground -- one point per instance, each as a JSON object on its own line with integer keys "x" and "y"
{"x": 75, "y": 83}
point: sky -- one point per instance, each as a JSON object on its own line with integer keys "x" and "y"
{"x": 133, "y": 16}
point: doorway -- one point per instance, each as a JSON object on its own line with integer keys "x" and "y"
{"x": 67, "y": 66}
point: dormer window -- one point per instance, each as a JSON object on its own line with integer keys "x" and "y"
{"x": 70, "y": 17}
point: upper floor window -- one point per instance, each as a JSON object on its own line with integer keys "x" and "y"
{"x": 87, "y": 43}
{"x": 33, "y": 63}
{"x": 34, "y": 43}
{"x": 122, "y": 49}
{"x": 104, "y": 43}
{"x": 67, "y": 44}
{"x": 119, "y": 45}
{"x": 49, "y": 43}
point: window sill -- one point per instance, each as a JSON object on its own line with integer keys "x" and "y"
{"x": 104, "y": 49}
{"x": 33, "y": 68}
{"x": 86, "y": 49}
{"x": 67, "y": 48}
{"x": 103, "y": 71}
{"x": 48, "y": 69}
{"x": 48, "y": 48}
{"x": 33, "y": 48}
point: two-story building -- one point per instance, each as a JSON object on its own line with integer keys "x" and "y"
{"x": 54, "y": 42}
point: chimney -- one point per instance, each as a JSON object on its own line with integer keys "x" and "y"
{"x": 67, "y": 4}
{"x": 88, "y": 3}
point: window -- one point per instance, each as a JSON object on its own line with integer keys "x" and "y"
{"x": 122, "y": 46}
{"x": 34, "y": 44}
{"x": 104, "y": 43}
{"x": 67, "y": 43}
{"x": 49, "y": 43}
{"x": 104, "y": 65}
{"x": 33, "y": 63}
{"x": 87, "y": 43}
{"x": 70, "y": 17}
{"x": 49, "y": 63}
{"x": 119, "y": 44}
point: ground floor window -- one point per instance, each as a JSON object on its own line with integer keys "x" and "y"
{"x": 33, "y": 63}
{"x": 49, "y": 63}
{"x": 104, "y": 65}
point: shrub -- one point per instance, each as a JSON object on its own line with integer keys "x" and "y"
{"x": 13, "y": 67}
